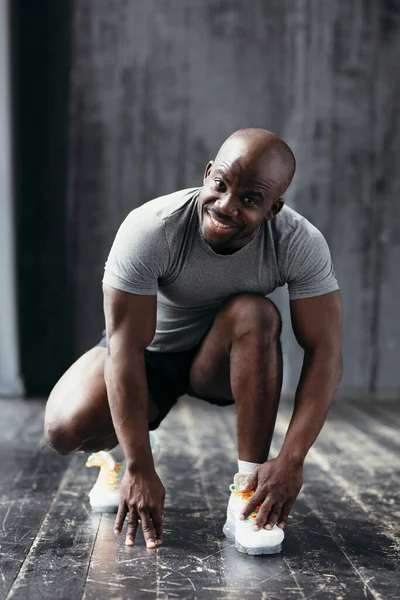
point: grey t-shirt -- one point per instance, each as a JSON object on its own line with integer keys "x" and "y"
{"x": 158, "y": 250}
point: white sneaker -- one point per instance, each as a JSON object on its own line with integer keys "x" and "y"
{"x": 104, "y": 495}
{"x": 246, "y": 539}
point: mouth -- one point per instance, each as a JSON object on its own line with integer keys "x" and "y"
{"x": 217, "y": 225}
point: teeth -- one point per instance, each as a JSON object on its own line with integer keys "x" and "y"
{"x": 219, "y": 224}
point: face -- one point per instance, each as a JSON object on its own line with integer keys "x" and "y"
{"x": 239, "y": 192}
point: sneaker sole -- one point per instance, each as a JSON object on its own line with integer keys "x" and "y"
{"x": 229, "y": 532}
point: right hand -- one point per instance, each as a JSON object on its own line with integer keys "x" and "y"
{"x": 141, "y": 497}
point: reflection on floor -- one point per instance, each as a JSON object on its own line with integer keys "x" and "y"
{"x": 342, "y": 541}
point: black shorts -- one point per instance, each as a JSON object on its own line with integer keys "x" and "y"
{"x": 168, "y": 378}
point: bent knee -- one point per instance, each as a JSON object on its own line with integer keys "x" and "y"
{"x": 60, "y": 437}
{"x": 75, "y": 423}
{"x": 253, "y": 312}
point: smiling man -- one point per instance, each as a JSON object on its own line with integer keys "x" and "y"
{"x": 186, "y": 310}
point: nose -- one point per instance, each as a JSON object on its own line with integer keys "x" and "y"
{"x": 226, "y": 205}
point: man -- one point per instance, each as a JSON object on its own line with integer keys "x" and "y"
{"x": 186, "y": 311}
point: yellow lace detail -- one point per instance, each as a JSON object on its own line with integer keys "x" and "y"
{"x": 109, "y": 477}
{"x": 246, "y": 497}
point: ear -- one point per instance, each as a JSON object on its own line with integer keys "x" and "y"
{"x": 274, "y": 209}
{"x": 208, "y": 170}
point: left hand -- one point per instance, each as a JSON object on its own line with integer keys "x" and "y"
{"x": 277, "y": 483}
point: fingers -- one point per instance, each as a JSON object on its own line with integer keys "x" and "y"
{"x": 263, "y": 514}
{"x": 120, "y": 518}
{"x": 152, "y": 526}
{"x": 273, "y": 516}
{"x": 148, "y": 530}
{"x": 158, "y": 527}
{"x": 251, "y": 482}
{"x": 254, "y": 501}
{"x": 286, "y": 508}
{"x": 269, "y": 514}
{"x": 132, "y": 524}
{"x": 131, "y": 529}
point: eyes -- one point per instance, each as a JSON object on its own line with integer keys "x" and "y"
{"x": 220, "y": 186}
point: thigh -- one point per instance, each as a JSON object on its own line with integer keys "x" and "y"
{"x": 210, "y": 373}
{"x": 78, "y": 403}
{"x": 79, "y": 399}
{"x": 209, "y": 377}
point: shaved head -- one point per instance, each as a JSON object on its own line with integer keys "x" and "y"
{"x": 257, "y": 144}
{"x": 242, "y": 188}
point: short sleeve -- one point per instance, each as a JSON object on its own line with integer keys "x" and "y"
{"x": 139, "y": 256}
{"x": 309, "y": 266}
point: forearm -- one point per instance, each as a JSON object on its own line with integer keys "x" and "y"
{"x": 127, "y": 392}
{"x": 320, "y": 376}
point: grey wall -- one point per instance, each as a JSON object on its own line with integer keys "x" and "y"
{"x": 40, "y": 52}
{"x": 10, "y": 380}
{"x": 156, "y": 86}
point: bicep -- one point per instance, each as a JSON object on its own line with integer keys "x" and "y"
{"x": 317, "y": 321}
{"x": 130, "y": 318}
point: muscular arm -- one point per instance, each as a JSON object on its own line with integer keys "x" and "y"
{"x": 317, "y": 325}
{"x": 130, "y": 324}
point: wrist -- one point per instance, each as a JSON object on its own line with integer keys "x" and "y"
{"x": 292, "y": 457}
{"x": 134, "y": 467}
{"x": 139, "y": 461}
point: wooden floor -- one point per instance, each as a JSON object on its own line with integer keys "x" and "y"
{"x": 341, "y": 543}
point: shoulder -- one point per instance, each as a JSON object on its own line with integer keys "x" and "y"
{"x": 290, "y": 221}
{"x": 306, "y": 259}
{"x": 145, "y": 223}
{"x": 167, "y": 206}
{"x": 293, "y": 229}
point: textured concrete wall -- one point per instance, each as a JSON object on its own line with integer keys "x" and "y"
{"x": 156, "y": 87}
{"x": 343, "y": 124}
{"x": 10, "y": 381}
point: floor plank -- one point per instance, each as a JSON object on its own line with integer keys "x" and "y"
{"x": 185, "y": 562}
{"x": 382, "y": 416}
{"x": 348, "y": 496}
{"x": 215, "y": 446}
{"x": 29, "y": 477}
{"x": 58, "y": 561}
{"x": 380, "y": 433}
{"x": 352, "y": 458}
{"x": 312, "y": 561}
{"x": 341, "y": 543}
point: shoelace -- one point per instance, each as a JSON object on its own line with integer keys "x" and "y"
{"x": 109, "y": 478}
{"x": 246, "y": 496}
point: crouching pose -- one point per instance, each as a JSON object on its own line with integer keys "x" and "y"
{"x": 186, "y": 312}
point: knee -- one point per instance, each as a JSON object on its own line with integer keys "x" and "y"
{"x": 59, "y": 436}
{"x": 252, "y": 313}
